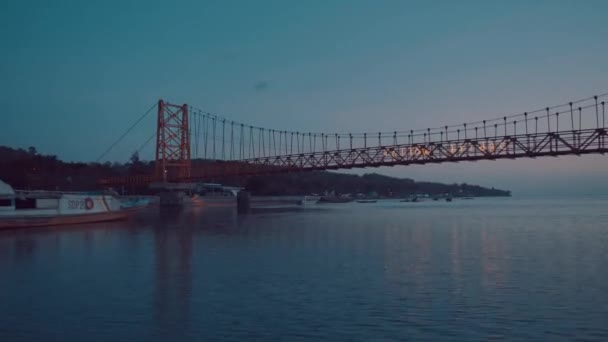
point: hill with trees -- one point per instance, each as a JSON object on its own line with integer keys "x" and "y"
{"x": 339, "y": 183}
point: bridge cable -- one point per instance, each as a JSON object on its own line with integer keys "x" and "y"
{"x": 125, "y": 134}
{"x": 476, "y": 122}
{"x": 142, "y": 146}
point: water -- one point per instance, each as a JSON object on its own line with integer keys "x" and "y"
{"x": 495, "y": 269}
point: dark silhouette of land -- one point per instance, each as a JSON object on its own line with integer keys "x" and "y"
{"x": 385, "y": 186}
{"x": 26, "y": 169}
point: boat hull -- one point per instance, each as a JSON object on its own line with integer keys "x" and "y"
{"x": 335, "y": 200}
{"x": 309, "y": 200}
{"x": 211, "y": 201}
{"x": 59, "y": 220}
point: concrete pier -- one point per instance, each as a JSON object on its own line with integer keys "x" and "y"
{"x": 172, "y": 194}
{"x": 243, "y": 202}
{"x": 172, "y": 198}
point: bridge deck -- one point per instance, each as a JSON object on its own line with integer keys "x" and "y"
{"x": 570, "y": 142}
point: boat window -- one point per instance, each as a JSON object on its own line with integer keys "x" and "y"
{"x": 6, "y": 202}
{"x": 25, "y": 203}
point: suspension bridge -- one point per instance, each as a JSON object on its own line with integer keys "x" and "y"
{"x": 227, "y": 148}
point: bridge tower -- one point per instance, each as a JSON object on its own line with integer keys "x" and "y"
{"x": 172, "y": 142}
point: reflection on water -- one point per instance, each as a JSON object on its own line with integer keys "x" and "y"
{"x": 467, "y": 270}
{"x": 173, "y": 270}
{"x": 492, "y": 256}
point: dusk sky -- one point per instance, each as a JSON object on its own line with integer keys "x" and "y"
{"x": 74, "y": 75}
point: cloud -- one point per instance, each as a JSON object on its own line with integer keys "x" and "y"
{"x": 261, "y": 85}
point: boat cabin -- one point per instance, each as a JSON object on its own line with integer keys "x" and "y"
{"x": 7, "y": 197}
{"x": 216, "y": 190}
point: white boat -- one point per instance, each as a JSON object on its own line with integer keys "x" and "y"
{"x": 213, "y": 195}
{"x": 19, "y": 209}
{"x": 308, "y": 200}
{"x": 131, "y": 202}
{"x": 412, "y": 199}
{"x": 209, "y": 200}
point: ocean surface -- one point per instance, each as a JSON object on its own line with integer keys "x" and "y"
{"x": 513, "y": 269}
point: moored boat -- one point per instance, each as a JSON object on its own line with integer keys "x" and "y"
{"x": 131, "y": 202}
{"x": 20, "y": 209}
{"x": 410, "y": 199}
{"x": 213, "y": 195}
{"x": 308, "y": 200}
{"x": 334, "y": 199}
{"x": 211, "y": 201}
{"x": 367, "y": 201}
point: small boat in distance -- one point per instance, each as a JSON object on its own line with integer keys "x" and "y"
{"x": 213, "y": 195}
{"x": 412, "y": 199}
{"x": 334, "y": 199}
{"x": 308, "y": 200}
{"x": 367, "y": 201}
{"x": 20, "y": 209}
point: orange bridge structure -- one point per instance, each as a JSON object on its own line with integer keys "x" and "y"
{"x": 229, "y": 148}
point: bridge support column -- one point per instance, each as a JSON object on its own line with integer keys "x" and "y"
{"x": 172, "y": 142}
{"x": 172, "y": 194}
{"x": 243, "y": 202}
{"x": 172, "y": 198}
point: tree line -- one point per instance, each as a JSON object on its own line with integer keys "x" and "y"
{"x": 27, "y": 169}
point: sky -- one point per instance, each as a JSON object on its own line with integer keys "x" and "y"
{"x": 74, "y": 75}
